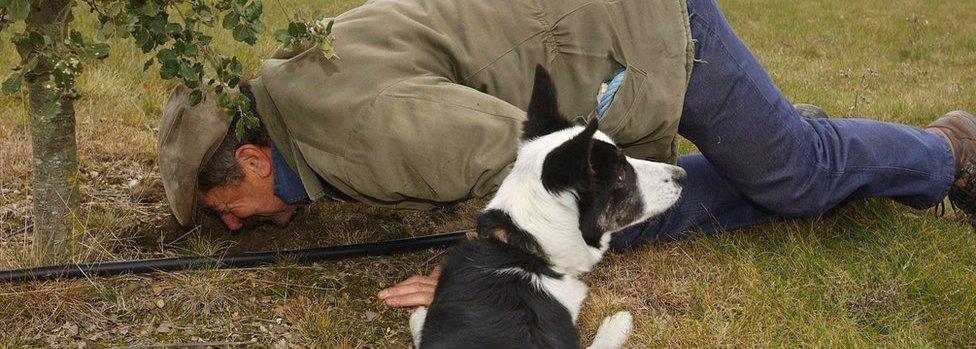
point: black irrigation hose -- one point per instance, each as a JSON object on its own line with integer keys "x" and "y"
{"x": 245, "y": 260}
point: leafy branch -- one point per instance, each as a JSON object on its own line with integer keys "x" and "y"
{"x": 172, "y": 32}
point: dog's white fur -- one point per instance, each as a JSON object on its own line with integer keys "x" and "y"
{"x": 553, "y": 220}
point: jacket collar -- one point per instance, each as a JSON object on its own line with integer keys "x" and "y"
{"x": 287, "y": 185}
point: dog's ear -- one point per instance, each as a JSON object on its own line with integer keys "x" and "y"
{"x": 568, "y": 165}
{"x": 543, "y": 115}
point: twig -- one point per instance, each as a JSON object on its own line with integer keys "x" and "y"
{"x": 42, "y": 290}
{"x": 286, "y": 284}
{"x": 287, "y": 15}
{"x": 189, "y": 345}
{"x": 20, "y": 231}
{"x": 173, "y": 243}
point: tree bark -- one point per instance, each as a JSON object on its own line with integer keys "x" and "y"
{"x": 55, "y": 151}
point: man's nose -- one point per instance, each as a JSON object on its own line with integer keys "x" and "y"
{"x": 231, "y": 221}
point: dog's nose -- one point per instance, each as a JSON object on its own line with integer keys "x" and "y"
{"x": 679, "y": 174}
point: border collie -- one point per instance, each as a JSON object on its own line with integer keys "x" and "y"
{"x": 515, "y": 285}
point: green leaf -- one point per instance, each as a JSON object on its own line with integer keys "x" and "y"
{"x": 231, "y": 20}
{"x": 166, "y": 55}
{"x": 158, "y": 26}
{"x": 98, "y": 51}
{"x": 149, "y": 9}
{"x": 12, "y": 83}
{"x": 18, "y": 10}
{"x": 190, "y": 49}
{"x": 141, "y": 37}
{"x": 115, "y": 9}
{"x": 297, "y": 29}
{"x": 204, "y": 39}
{"x": 75, "y": 39}
{"x": 149, "y": 63}
{"x": 3, "y": 3}
{"x": 253, "y": 11}
{"x": 239, "y": 129}
{"x": 189, "y": 76}
{"x": 148, "y": 46}
{"x": 223, "y": 100}
{"x": 244, "y": 34}
{"x": 328, "y": 27}
{"x": 195, "y": 97}
{"x": 235, "y": 66}
{"x": 257, "y": 26}
{"x": 173, "y": 29}
{"x": 251, "y": 122}
{"x": 27, "y": 43}
{"x": 168, "y": 71}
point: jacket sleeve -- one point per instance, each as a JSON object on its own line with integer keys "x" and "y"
{"x": 426, "y": 141}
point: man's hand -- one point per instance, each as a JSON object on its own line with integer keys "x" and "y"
{"x": 416, "y": 291}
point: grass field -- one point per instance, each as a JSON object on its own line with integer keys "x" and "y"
{"x": 871, "y": 274}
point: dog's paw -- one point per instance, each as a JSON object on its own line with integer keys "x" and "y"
{"x": 614, "y": 331}
{"x": 620, "y": 319}
{"x": 417, "y": 324}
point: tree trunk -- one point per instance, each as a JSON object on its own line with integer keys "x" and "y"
{"x": 55, "y": 152}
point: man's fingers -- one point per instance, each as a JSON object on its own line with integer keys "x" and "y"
{"x": 400, "y": 290}
{"x": 411, "y": 300}
{"x": 414, "y": 291}
{"x": 416, "y": 279}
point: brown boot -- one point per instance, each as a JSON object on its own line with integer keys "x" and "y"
{"x": 959, "y": 129}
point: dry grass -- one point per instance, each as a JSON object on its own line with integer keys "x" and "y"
{"x": 873, "y": 274}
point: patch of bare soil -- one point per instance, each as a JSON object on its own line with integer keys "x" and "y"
{"x": 314, "y": 225}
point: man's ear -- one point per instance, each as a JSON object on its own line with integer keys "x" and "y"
{"x": 568, "y": 165}
{"x": 543, "y": 116}
{"x": 254, "y": 159}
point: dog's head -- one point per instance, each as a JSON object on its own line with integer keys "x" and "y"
{"x": 570, "y": 179}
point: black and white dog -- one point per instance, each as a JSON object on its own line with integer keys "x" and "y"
{"x": 515, "y": 285}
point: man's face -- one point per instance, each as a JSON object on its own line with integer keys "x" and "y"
{"x": 253, "y": 196}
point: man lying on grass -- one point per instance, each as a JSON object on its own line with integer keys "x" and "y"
{"x": 424, "y": 107}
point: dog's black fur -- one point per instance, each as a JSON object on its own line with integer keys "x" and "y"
{"x": 598, "y": 171}
{"x": 476, "y": 307}
{"x": 478, "y": 302}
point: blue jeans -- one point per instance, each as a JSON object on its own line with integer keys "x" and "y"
{"x": 761, "y": 161}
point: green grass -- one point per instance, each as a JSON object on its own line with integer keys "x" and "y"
{"x": 871, "y": 274}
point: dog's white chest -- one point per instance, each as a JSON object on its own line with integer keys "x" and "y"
{"x": 568, "y": 290}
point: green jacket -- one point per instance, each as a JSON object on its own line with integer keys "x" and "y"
{"x": 400, "y": 119}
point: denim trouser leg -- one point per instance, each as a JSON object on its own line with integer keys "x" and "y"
{"x": 761, "y": 161}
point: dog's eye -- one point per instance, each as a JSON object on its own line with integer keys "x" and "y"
{"x": 622, "y": 172}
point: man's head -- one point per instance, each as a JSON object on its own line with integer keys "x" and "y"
{"x": 202, "y": 160}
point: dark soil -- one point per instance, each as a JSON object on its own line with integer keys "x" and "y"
{"x": 315, "y": 225}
